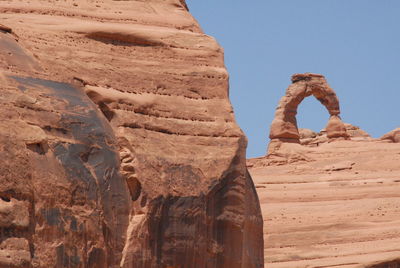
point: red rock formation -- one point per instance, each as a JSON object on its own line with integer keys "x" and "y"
{"x": 332, "y": 205}
{"x": 118, "y": 143}
{"x": 393, "y": 136}
{"x": 311, "y": 138}
{"x": 284, "y": 126}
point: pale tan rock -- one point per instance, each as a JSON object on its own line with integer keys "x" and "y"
{"x": 284, "y": 126}
{"x": 338, "y": 207}
{"x": 119, "y": 137}
{"x": 393, "y": 136}
{"x": 310, "y": 138}
{"x": 346, "y": 165}
{"x": 15, "y": 252}
{"x": 13, "y": 213}
{"x": 356, "y": 132}
{"x": 306, "y": 133}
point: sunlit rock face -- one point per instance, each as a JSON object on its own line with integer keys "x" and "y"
{"x": 284, "y": 126}
{"x": 340, "y": 196}
{"x": 392, "y": 136}
{"x": 118, "y": 142}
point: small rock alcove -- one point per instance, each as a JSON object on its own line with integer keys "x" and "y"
{"x": 284, "y": 126}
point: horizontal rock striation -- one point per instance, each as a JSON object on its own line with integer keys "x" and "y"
{"x": 332, "y": 205}
{"x": 119, "y": 142}
{"x": 386, "y": 264}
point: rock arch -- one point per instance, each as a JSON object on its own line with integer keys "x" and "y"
{"x": 284, "y": 126}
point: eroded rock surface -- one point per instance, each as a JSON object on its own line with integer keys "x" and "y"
{"x": 311, "y": 138}
{"x": 386, "y": 264}
{"x": 284, "y": 126}
{"x": 392, "y": 136}
{"x": 336, "y": 206}
{"x": 118, "y": 142}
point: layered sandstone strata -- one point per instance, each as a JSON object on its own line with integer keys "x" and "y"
{"x": 332, "y": 205}
{"x": 284, "y": 126}
{"x": 118, "y": 143}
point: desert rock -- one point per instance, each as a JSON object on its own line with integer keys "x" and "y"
{"x": 118, "y": 142}
{"x": 305, "y": 133}
{"x": 284, "y": 126}
{"x": 332, "y": 205}
{"x": 393, "y": 136}
{"x": 311, "y": 138}
{"x": 356, "y": 132}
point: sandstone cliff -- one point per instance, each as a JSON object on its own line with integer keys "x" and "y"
{"x": 330, "y": 203}
{"x": 118, "y": 142}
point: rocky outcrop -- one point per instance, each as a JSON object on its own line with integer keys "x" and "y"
{"x": 336, "y": 206}
{"x": 311, "y": 138}
{"x": 284, "y": 126}
{"x": 305, "y": 133}
{"x": 118, "y": 141}
{"x": 290, "y": 153}
{"x": 392, "y": 136}
{"x": 356, "y": 132}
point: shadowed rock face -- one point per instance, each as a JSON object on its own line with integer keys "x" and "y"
{"x": 284, "y": 126}
{"x": 118, "y": 143}
{"x": 388, "y": 264}
{"x": 68, "y": 204}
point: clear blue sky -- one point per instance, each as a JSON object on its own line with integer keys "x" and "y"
{"x": 354, "y": 43}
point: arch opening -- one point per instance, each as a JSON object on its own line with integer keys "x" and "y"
{"x": 311, "y": 116}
